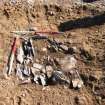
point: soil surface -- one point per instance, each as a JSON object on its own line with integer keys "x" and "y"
{"x": 83, "y": 25}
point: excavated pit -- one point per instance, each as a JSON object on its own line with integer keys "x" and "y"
{"x": 83, "y": 25}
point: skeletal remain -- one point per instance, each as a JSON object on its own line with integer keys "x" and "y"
{"x": 37, "y": 70}
{"x": 59, "y": 77}
{"x": 40, "y": 79}
{"x": 19, "y": 72}
{"x": 39, "y": 67}
{"x": 20, "y": 55}
{"x": 36, "y": 77}
{"x": 76, "y": 79}
{"x": 26, "y": 71}
{"x": 77, "y": 83}
{"x": 49, "y": 71}
{"x": 43, "y": 80}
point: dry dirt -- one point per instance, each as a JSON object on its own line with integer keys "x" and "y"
{"x": 84, "y": 27}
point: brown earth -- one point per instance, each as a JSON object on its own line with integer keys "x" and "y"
{"x": 84, "y": 28}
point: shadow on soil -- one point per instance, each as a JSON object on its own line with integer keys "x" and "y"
{"x": 83, "y": 23}
{"x": 89, "y": 1}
